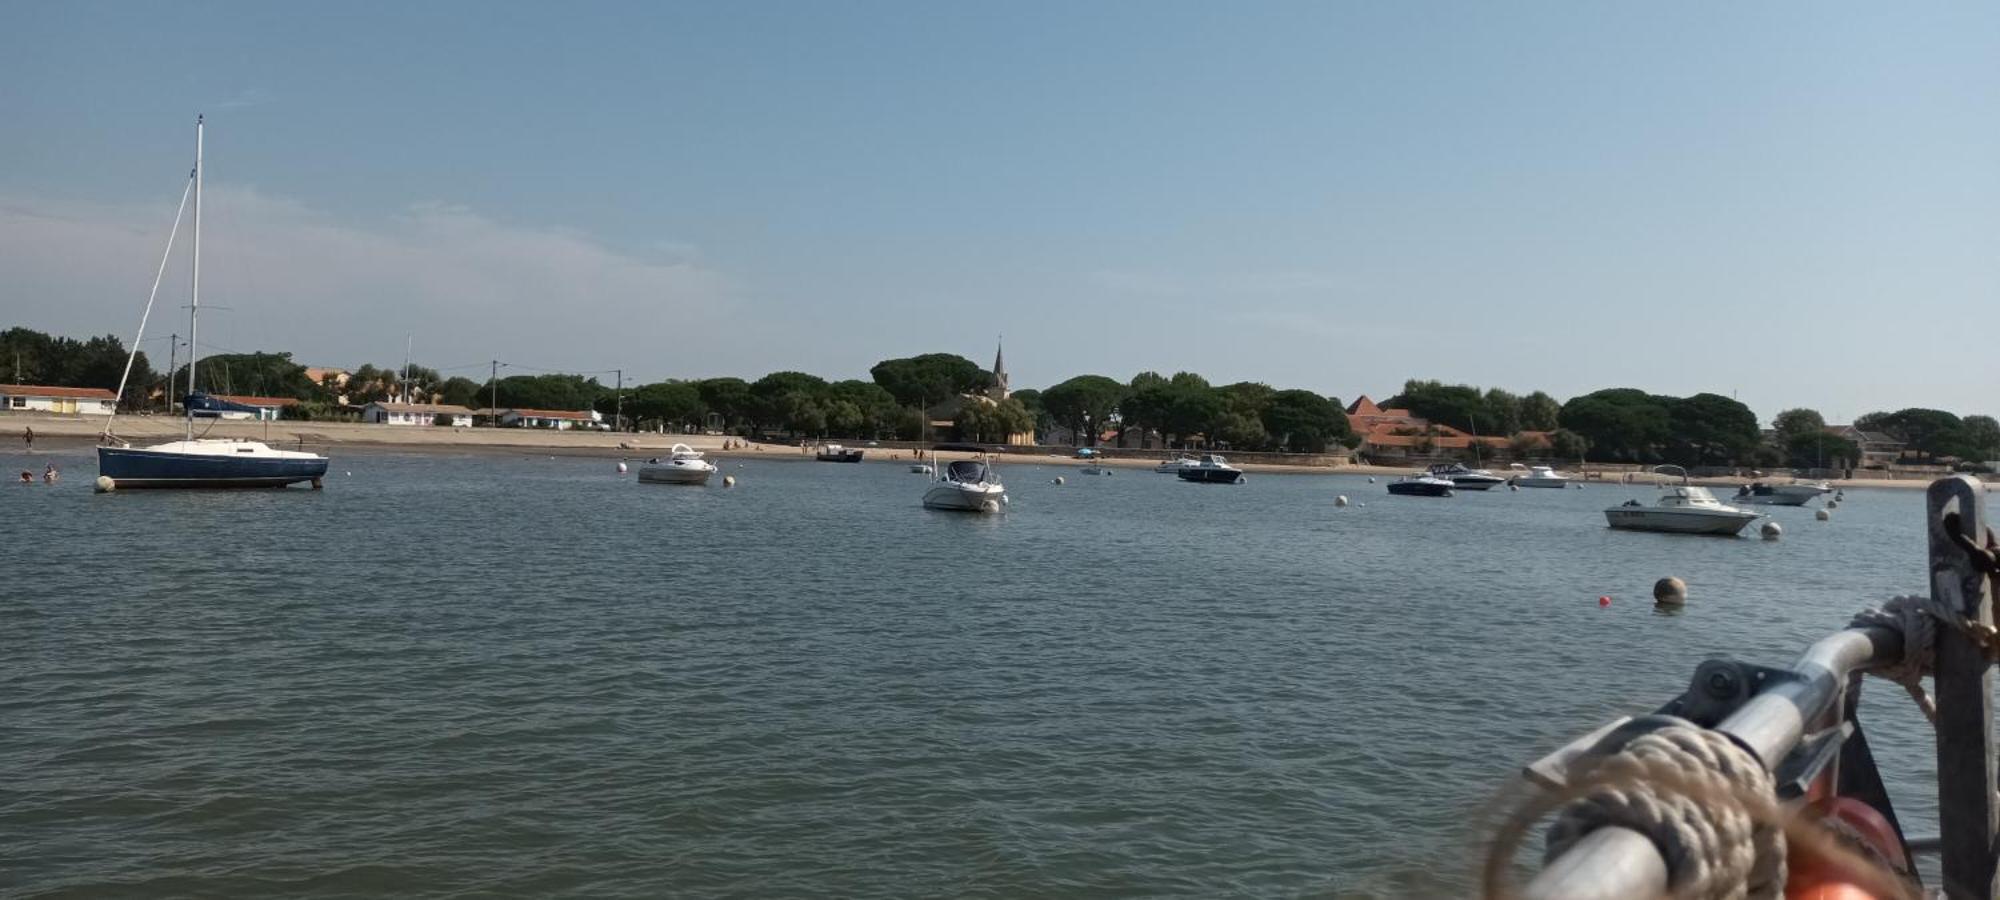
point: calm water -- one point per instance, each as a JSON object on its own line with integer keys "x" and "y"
{"x": 532, "y": 676}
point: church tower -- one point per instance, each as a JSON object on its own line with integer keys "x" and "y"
{"x": 999, "y": 390}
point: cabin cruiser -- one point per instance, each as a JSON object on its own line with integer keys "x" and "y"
{"x": 683, "y": 465}
{"x": 1797, "y": 493}
{"x": 967, "y": 486}
{"x": 1174, "y": 465}
{"x": 1465, "y": 479}
{"x": 1211, "y": 469}
{"x": 1681, "y": 509}
{"x": 1422, "y": 486}
{"x": 1538, "y": 476}
{"x": 837, "y": 453}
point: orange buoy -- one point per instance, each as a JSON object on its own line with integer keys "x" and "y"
{"x": 1810, "y": 875}
{"x": 1604, "y": 601}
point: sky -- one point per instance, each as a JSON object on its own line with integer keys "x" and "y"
{"x": 1790, "y": 203}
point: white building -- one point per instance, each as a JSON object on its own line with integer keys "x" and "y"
{"x": 37, "y": 398}
{"x": 558, "y": 419}
{"x": 415, "y": 414}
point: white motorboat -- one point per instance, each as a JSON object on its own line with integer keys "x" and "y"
{"x": 1537, "y": 476}
{"x": 1681, "y": 509}
{"x": 1211, "y": 469}
{"x": 1173, "y": 466}
{"x": 921, "y": 468}
{"x": 967, "y": 486}
{"x": 1797, "y": 493}
{"x": 683, "y": 465}
{"x": 1465, "y": 479}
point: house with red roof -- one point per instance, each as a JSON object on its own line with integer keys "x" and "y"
{"x": 64, "y": 400}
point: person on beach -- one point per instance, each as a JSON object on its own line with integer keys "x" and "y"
{"x": 28, "y": 436}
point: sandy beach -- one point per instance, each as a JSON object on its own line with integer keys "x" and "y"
{"x": 333, "y": 438}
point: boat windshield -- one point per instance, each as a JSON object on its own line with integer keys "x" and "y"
{"x": 968, "y": 471}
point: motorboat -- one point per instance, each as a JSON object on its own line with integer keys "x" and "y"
{"x": 1211, "y": 468}
{"x": 193, "y": 462}
{"x": 1095, "y": 466}
{"x": 922, "y": 468}
{"x": 1681, "y": 509}
{"x": 683, "y": 465}
{"x": 1465, "y": 479}
{"x": 1424, "y": 485}
{"x": 1537, "y": 476}
{"x": 837, "y": 453}
{"x": 967, "y": 485}
{"x": 1174, "y": 465}
{"x": 1797, "y": 493}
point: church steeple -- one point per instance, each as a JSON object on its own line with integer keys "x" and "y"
{"x": 1000, "y": 391}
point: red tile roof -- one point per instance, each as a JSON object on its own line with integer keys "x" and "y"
{"x": 36, "y": 390}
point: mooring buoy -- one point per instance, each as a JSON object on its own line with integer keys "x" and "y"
{"x": 1770, "y": 531}
{"x": 105, "y": 485}
{"x": 1823, "y": 515}
{"x": 1670, "y": 591}
{"x": 1340, "y": 500}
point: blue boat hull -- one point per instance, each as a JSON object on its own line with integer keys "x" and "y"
{"x": 131, "y": 468}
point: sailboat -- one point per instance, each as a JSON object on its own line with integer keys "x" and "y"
{"x": 193, "y": 462}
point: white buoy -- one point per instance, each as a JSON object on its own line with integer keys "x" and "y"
{"x": 1362, "y": 505}
{"x": 1771, "y": 531}
{"x": 1340, "y": 500}
{"x": 1371, "y": 479}
{"x": 1512, "y": 486}
{"x": 728, "y": 481}
{"x": 1832, "y": 504}
{"x": 105, "y": 485}
{"x": 621, "y": 468}
{"x": 1059, "y": 480}
{"x": 350, "y": 473}
{"x": 1823, "y": 515}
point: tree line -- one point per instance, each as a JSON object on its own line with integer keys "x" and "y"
{"x": 903, "y": 395}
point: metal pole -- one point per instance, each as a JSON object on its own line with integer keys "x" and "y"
{"x": 618, "y": 413}
{"x": 1967, "y": 815}
{"x": 493, "y": 384}
{"x": 173, "y": 367}
{"x": 194, "y": 298}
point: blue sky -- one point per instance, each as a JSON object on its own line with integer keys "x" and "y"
{"x": 1792, "y": 203}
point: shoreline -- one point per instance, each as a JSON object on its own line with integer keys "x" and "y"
{"x": 70, "y": 433}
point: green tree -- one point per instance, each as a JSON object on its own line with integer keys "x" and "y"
{"x": 924, "y": 381}
{"x": 1710, "y": 429}
{"x": 550, "y": 391}
{"x": 1817, "y": 449}
{"x": 1501, "y": 416}
{"x": 1567, "y": 444}
{"x": 670, "y": 403}
{"x": 1540, "y": 412}
{"x": 256, "y": 374}
{"x": 1031, "y": 400}
{"x": 1084, "y": 404}
{"x": 992, "y": 422}
{"x": 1241, "y": 431}
{"x": 1460, "y": 406}
{"x": 730, "y": 398}
{"x": 1304, "y": 422}
{"x": 1794, "y": 422}
{"x": 1932, "y": 432}
{"x": 459, "y": 391}
{"x": 1619, "y": 423}
{"x": 792, "y": 401}
{"x": 874, "y": 408}
{"x": 1981, "y": 435}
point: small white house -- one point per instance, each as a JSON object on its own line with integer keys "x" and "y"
{"x": 38, "y": 398}
{"x": 558, "y": 419}
{"x": 414, "y": 414}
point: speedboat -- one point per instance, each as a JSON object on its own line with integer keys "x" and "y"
{"x": 1211, "y": 469}
{"x": 1797, "y": 493}
{"x": 1681, "y": 509}
{"x": 1421, "y": 486}
{"x": 837, "y": 453}
{"x": 1466, "y": 479}
{"x": 1174, "y": 465}
{"x": 1538, "y": 476}
{"x": 683, "y": 465}
{"x": 921, "y": 468}
{"x": 967, "y": 486}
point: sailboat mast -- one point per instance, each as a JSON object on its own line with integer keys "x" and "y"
{"x": 194, "y": 303}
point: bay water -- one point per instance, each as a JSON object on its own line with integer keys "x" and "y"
{"x": 523, "y": 675}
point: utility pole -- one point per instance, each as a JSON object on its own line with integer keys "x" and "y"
{"x": 618, "y": 411}
{"x": 493, "y": 382}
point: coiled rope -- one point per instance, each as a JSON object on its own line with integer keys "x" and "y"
{"x": 1706, "y": 803}
{"x": 1912, "y": 617}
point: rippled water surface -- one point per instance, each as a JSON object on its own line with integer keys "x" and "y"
{"x": 532, "y": 676}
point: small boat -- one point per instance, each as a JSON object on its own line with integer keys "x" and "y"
{"x": 193, "y": 462}
{"x": 1538, "y": 476}
{"x": 967, "y": 486}
{"x": 837, "y": 453}
{"x": 1797, "y": 493}
{"x": 1211, "y": 469}
{"x": 921, "y": 468}
{"x": 1421, "y": 486}
{"x": 683, "y": 465}
{"x": 1681, "y": 509}
{"x": 1466, "y": 479}
{"x": 1175, "y": 465}
{"x": 1095, "y": 466}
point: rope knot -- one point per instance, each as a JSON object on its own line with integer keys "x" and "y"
{"x": 1707, "y": 804}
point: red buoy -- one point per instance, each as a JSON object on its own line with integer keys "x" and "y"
{"x": 1604, "y": 601}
